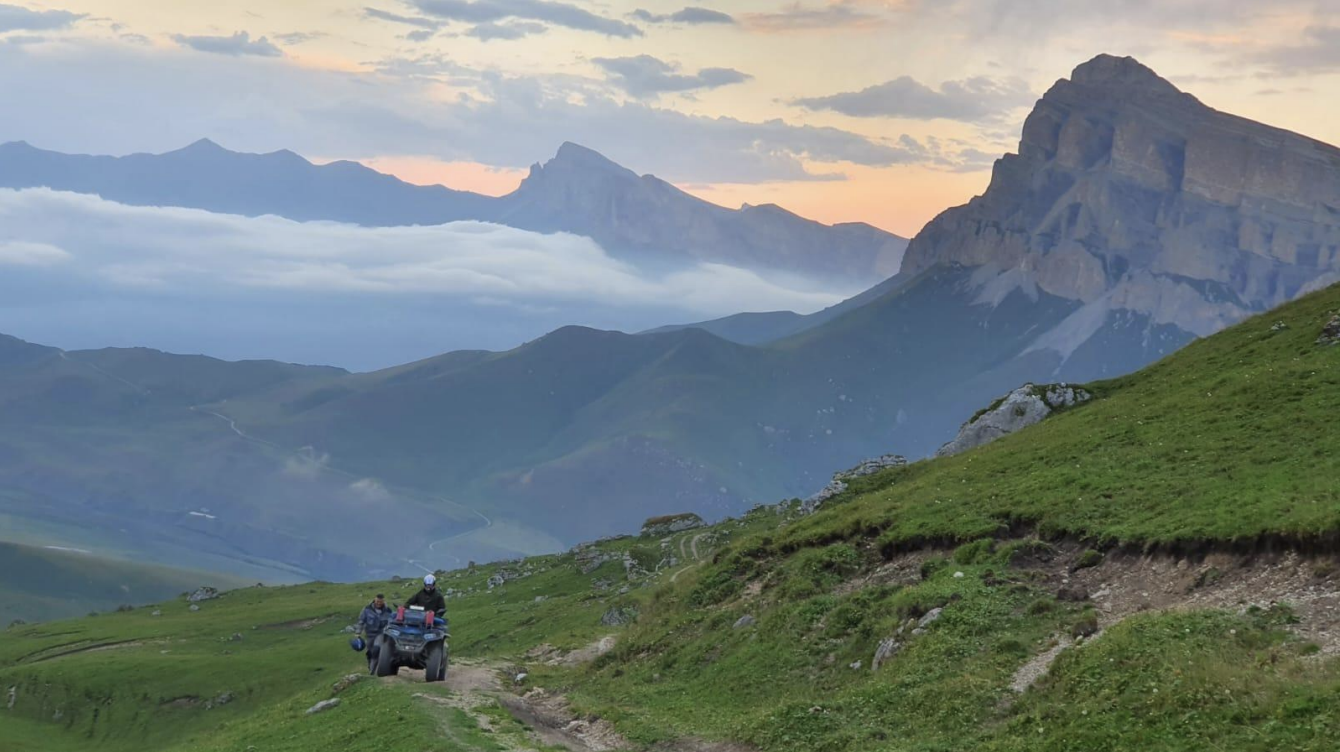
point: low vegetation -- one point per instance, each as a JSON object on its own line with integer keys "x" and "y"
{"x": 969, "y": 580}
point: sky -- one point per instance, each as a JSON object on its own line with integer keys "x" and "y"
{"x": 884, "y": 111}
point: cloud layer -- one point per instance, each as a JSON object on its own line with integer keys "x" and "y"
{"x": 559, "y": 14}
{"x": 265, "y": 104}
{"x": 148, "y": 249}
{"x": 646, "y": 76}
{"x": 239, "y": 43}
{"x": 689, "y": 15}
{"x": 18, "y": 18}
{"x": 974, "y": 100}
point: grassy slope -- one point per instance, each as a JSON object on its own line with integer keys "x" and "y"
{"x": 41, "y": 583}
{"x": 1202, "y": 437}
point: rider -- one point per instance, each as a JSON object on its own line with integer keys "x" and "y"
{"x": 372, "y": 621}
{"x": 429, "y": 597}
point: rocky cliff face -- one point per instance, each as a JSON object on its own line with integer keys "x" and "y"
{"x": 1131, "y": 197}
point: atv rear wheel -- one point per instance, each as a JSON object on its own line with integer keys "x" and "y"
{"x": 385, "y": 658}
{"x": 435, "y": 663}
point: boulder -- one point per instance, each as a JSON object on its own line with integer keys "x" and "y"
{"x": 203, "y": 594}
{"x": 744, "y": 621}
{"x": 1330, "y": 334}
{"x": 346, "y": 682}
{"x": 323, "y": 706}
{"x": 886, "y": 650}
{"x": 619, "y": 616}
{"x": 1021, "y": 408}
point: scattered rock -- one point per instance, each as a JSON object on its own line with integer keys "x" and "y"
{"x": 520, "y": 678}
{"x": 193, "y": 607}
{"x": 496, "y": 580}
{"x": 219, "y": 701}
{"x": 1330, "y": 334}
{"x": 658, "y": 527}
{"x": 855, "y": 666}
{"x": 1072, "y": 594}
{"x": 541, "y": 598}
{"x": 931, "y": 617}
{"x": 744, "y": 621}
{"x": 886, "y": 650}
{"x": 350, "y": 629}
{"x": 958, "y": 575}
{"x": 156, "y": 612}
{"x": 203, "y": 594}
{"x": 323, "y": 706}
{"x": 1019, "y": 409}
{"x": 13, "y": 697}
{"x": 619, "y": 616}
{"x": 237, "y": 637}
{"x": 1278, "y": 326}
{"x": 348, "y": 681}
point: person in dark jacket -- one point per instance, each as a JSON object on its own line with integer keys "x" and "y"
{"x": 372, "y": 622}
{"x": 429, "y": 598}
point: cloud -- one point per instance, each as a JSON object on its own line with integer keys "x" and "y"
{"x": 24, "y": 253}
{"x": 559, "y": 14}
{"x": 689, "y": 15}
{"x": 419, "y": 21}
{"x": 144, "y": 98}
{"x": 835, "y": 15}
{"x": 145, "y": 249}
{"x": 510, "y": 30}
{"x": 18, "y": 18}
{"x": 240, "y": 43}
{"x": 420, "y": 35}
{"x": 370, "y": 489}
{"x": 972, "y": 100}
{"x": 300, "y": 37}
{"x": 646, "y": 76}
{"x": 1317, "y": 52}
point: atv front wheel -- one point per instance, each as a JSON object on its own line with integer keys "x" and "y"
{"x": 435, "y": 663}
{"x": 386, "y": 659}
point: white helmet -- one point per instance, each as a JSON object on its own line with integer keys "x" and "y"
{"x": 428, "y": 579}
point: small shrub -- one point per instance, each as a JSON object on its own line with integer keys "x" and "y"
{"x": 977, "y": 552}
{"x": 124, "y": 608}
{"x": 932, "y": 565}
{"x": 1040, "y": 606}
{"x": 1010, "y": 646}
{"x": 1085, "y": 626}
{"x": 1090, "y": 558}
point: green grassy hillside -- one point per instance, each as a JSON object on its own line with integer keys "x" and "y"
{"x": 40, "y": 583}
{"x": 1184, "y": 522}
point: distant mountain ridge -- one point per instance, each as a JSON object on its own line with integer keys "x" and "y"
{"x": 1132, "y": 220}
{"x": 578, "y": 191}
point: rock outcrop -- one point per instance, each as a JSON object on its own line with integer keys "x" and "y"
{"x": 659, "y": 527}
{"x": 1019, "y": 409}
{"x": 1330, "y": 334}
{"x": 839, "y": 482}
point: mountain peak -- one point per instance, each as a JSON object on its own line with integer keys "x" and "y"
{"x": 203, "y": 146}
{"x": 572, "y": 156}
{"x": 1124, "y": 74}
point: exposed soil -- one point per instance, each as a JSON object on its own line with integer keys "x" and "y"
{"x": 1126, "y": 583}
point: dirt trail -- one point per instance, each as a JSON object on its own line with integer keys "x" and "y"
{"x": 476, "y": 687}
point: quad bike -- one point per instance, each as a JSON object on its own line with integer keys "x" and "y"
{"x": 414, "y": 638}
